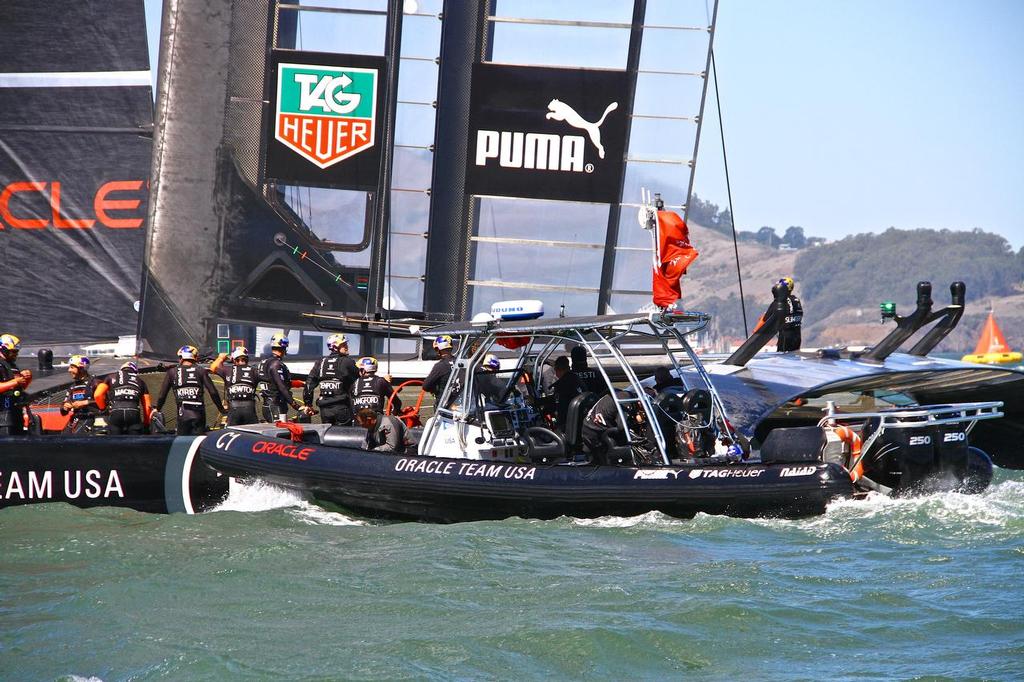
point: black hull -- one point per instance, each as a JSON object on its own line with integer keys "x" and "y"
{"x": 441, "y": 489}
{"x": 158, "y": 474}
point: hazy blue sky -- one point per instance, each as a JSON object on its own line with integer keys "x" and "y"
{"x": 853, "y": 116}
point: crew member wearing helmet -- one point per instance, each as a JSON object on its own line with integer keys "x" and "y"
{"x": 275, "y": 385}
{"x": 240, "y": 382}
{"x": 13, "y": 384}
{"x": 370, "y": 391}
{"x": 129, "y": 401}
{"x": 80, "y": 400}
{"x": 189, "y": 381}
{"x": 488, "y": 384}
{"x": 335, "y": 374}
{"x": 789, "y": 331}
{"x": 437, "y": 379}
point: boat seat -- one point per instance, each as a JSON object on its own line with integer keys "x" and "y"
{"x": 579, "y": 406}
{"x": 545, "y": 445}
{"x": 344, "y": 437}
{"x": 619, "y": 452}
{"x": 797, "y": 444}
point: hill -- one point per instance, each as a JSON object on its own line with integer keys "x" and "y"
{"x": 842, "y": 283}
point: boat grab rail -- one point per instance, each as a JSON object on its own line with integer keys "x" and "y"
{"x": 924, "y": 416}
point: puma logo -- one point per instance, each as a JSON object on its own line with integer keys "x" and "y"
{"x": 560, "y": 111}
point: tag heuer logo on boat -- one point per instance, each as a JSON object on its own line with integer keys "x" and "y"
{"x": 326, "y": 113}
{"x": 547, "y": 133}
{"x": 322, "y": 126}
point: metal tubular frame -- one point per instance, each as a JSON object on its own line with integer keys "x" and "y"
{"x": 545, "y": 342}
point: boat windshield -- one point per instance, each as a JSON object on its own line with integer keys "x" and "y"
{"x": 516, "y": 367}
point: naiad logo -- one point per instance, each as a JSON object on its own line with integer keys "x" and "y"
{"x": 325, "y": 113}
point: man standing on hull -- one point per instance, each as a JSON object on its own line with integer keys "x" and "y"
{"x": 13, "y": 384}
{"x": 129, "y": 401}
{"x": 275, "y": 385}
{"x": 240, "y": 382}
{"x": 334, "y": 374}
{"x": 80, "y": 399}
{"x": 189, "y": 381}
{"x": 372, "y": 392}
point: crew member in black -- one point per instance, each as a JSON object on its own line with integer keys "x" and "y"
{"x": 488, "y": 383}
{"x": 240, "y": 385}
{"x": 663, "y": 379}
{"x": 275, "y": 387}
{"x": 79, "y": 400}
{"x": 371, "y": 391}
{"x": 384, "y": 433}
{"x": 189, "y": 381}
{"x": 437, "y": 379}
{"x": 590, "y": 379}
{"x": 602, "y": 418}
{"x": 13, "y": 384}
{"x": 789, "y": 334}
{"x": 128, "y": 400}
{"x": 789, "y": 331}
{"x": 566, "y": 387}
{"x": 334, "y": 374}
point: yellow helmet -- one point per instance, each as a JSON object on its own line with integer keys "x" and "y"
{"x": 443, "y": 342}
{"x": 279, "y": 341}
{"x": 367, "y": 364}
{"x": 188, "y": 353}
{"x": 78, "y": 361}
{"x": 10, "y": 343}
{"x": 788, "y": 281}
{"x": 336, "y": 341}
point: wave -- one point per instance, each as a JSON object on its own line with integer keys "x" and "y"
{"x": 258, "y": 496}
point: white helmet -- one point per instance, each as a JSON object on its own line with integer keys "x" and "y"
{"x": 336, "y": 341}
{"x": 239, "y": 352}
{"x": 367, "y": 364}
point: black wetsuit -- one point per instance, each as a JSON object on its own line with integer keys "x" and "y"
{"x": 565, "y": 389}
{"x": 189, "y": 383}
{"x": 12, "y": 411}
{"x": 602, "y": 418}
{"x": 437, "y": 379}
{"x": 275, "y": 388}
{"x": 335, "y": 375}
{"x": 789, "y": 333}
{"x": 240, "y": 389}
{"x": 590, "y": 379}
{"x": 373, "y": 392}
{"x": 490, "y": 386}
{"x": 125, "y": 403}
{"x": 82, "y": 418}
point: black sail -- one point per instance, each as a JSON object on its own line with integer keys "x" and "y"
{"x": 76, "y": 121}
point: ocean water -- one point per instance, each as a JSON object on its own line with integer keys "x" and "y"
{"x": 271, "y": 587}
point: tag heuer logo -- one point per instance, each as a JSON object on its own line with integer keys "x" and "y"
{"x": 325, "y": 113}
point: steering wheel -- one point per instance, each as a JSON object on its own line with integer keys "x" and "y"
{"x": 409, "y": 415}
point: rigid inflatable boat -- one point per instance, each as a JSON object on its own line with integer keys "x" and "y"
{"x": 491, "y": 454}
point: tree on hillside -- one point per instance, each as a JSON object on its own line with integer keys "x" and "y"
{"x": 795, "y": 237}
{"x": 864, "y": 269}
{"x": 766, "y": 235}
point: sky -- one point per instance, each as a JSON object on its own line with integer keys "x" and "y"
{"x": 847, "y": 116}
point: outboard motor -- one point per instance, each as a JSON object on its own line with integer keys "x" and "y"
{"x": 931, "y": 458}
{"x": 45, "y": 356}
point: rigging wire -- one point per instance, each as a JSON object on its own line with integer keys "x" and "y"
{"x": 728, "y": 187}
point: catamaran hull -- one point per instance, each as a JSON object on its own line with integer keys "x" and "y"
{"x": 159, "y": 474}
{"x": 447, "y": 490}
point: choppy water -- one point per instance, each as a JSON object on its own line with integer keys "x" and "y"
{"x": 270, "y": 587}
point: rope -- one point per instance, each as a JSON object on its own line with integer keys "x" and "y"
{"x": 304, "y": 255}
{"x": 728, "y": 187}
